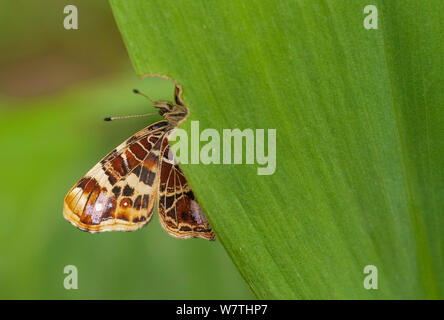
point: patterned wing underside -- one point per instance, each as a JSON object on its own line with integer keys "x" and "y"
{"x": 179, "y": 212}
{"x": 119, "y": 193}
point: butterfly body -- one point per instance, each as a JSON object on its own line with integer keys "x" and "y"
{"x": 121, "y": 191}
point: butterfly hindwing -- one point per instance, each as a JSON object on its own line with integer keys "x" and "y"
{"x": 179, "y": 212}
{"x": 119, "y": 193}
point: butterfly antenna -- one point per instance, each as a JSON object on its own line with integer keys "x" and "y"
{"x": 133, "y": 116}
{"x": 143, "y": 95}
{"x": 128, "y": 117}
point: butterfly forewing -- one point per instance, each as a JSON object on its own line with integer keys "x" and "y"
{"x": 119, "y": 193}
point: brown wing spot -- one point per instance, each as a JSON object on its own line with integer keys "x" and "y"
{"x": 138, "y": 202}
{"x": 165, "y": 173}
{"x": 126, "y": 203}
{"x": 111, "y": 178}
{"x": 151, "y": 161}
{"x": 123, "y": 215}
{"x": 128, "y": 191}
{"x": 169, "y": 201}
{"x": 137, "y": 170}
{"x": 132, "y": 161}
{"x": 165, "y": 145}
{"x": 185, "y": 216}
{"x": 185, "y": 228}
{"x": 157, "y": 146}
{"x": 182, "y": 180}
{"x": 82, "y": 182}
{"x": 116, "y": 190}
{"x": 90, "y": 185}
{"x": 118, "y": 165}
{"x": 139, "y": 219}
{"x": 190, "y": 194}
{"x": 170, "y": 224}
{"x": 190, "y": 212}
{"x": 145, "y": 144}
{"x": 86, "y": 219}
{"x": 147, "y": 176}
{"x": 145, "y": 201}
{"x": 171, "y": 214}
{"x": 138, "y": 151}
{"x": 183, "y": 210}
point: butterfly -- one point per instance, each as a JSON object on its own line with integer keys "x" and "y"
{"x": 121, "y": 191}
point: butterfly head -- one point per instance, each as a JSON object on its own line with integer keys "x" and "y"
{"x": 173, "y": 113}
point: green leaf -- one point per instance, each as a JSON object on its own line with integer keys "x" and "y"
{"x": 360, "y": 140}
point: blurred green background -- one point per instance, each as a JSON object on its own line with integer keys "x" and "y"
{"x": 56, "y": 86}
